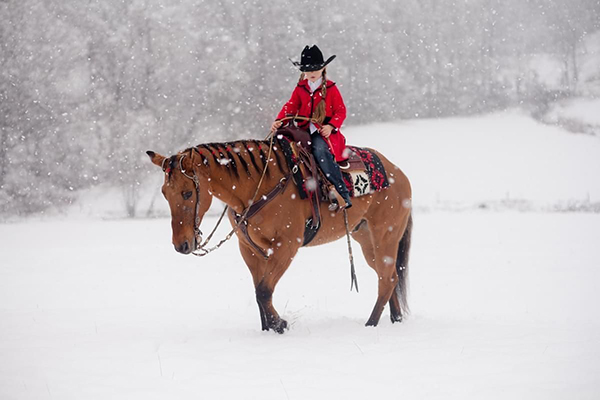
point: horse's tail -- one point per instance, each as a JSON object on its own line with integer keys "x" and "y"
{"x": 402, "y": 267}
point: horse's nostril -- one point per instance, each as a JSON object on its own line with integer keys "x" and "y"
{"x": 184, "y": 248}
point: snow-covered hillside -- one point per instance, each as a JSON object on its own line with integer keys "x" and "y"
{"x": 503, "y": 301}
{"x": 501, "y": 158}
{"x": 504, "y": 160}
{"x": 576, "y": 115}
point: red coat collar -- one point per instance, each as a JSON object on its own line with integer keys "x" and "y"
{"x": 304, "y": 84}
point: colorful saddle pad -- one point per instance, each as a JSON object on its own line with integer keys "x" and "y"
{"x": 362, "y": 181}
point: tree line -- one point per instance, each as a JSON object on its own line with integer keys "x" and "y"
{"x": 86, "y": 87}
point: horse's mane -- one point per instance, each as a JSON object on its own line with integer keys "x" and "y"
{"x": 241, "y": 156}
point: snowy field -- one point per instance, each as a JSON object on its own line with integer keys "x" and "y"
{"x": 504, "y": 289}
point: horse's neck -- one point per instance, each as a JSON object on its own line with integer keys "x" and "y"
{"x": 235, "y": 170}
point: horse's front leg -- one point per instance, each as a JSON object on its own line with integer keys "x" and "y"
{"x": 270, "y": 319}
{"x": 263, "y": 316}
{"x": 266, "y": 274}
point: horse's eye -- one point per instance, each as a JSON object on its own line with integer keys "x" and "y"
{"x": 186, "y": 195}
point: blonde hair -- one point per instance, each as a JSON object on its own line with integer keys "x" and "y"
{"x": 320, "y": 112}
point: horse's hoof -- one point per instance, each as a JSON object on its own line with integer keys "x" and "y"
{"x": 395, "y": 318}
{"x": 371, "y": 323}
{"x": 280, "y": 326}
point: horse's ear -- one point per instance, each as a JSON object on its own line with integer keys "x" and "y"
{"x": 156, "y": 159}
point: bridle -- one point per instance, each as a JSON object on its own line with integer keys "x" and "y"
{"x": 194, "y": 178}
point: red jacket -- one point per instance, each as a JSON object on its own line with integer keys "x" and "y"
{"x": 303, "y": 104}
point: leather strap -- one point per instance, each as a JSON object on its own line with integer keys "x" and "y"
{"x": 255, "y": 208}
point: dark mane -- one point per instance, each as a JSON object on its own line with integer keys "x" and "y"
{"x": 241, "y": 154}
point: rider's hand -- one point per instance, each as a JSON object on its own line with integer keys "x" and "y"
{"x": 276, "y": 125}
{"x": 326, "y": 131}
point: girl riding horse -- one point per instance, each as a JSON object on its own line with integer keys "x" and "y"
{"x": 317, "y": 98}
{"x": 239, "y": 173}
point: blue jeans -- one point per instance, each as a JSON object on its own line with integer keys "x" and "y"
{"x": 326, "y": 161}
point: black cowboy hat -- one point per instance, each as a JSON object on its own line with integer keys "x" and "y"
{"x": 311, "y": 59}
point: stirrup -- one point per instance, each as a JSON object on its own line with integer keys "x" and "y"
{"x": 333, "y": 206}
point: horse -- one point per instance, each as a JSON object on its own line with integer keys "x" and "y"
{"x": 380, "y": 221}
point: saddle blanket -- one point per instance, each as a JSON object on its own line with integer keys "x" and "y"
{"x": 365, "y": 181}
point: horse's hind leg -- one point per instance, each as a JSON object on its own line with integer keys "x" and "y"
{"x": 398, "y": 302}
{"x": 395, "y": 309}
{"x": 382, "y": 258}
{"x": 363, "y": 237}
{"x": 387, "y": 283}
{"x": 266, "y": 274}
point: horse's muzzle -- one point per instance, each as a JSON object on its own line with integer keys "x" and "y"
{"x": 184, "y": 248}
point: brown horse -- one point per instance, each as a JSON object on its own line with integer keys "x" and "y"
{"x": 381, "y": 221}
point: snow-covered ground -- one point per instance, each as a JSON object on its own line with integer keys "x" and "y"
{"x": 504, "y": 289}
{"x": 577, "y": 115}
